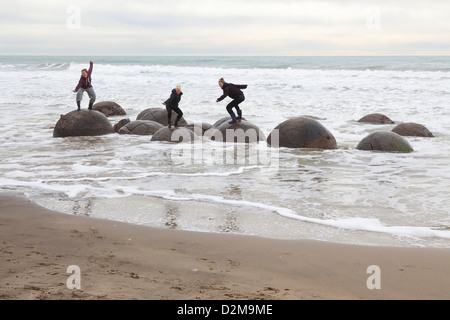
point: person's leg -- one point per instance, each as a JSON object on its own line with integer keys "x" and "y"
{"x": 169, "y": 115}
{"x": 79, "y": 97}
{"x": 179, "y": 115}
{"x": 230, "y": 107}
{"x": 239, "y": 100}
{"x": 92, "y": 97}
{"x": 239, "y": 113}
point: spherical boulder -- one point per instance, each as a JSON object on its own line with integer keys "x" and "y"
{"x": 141, "y": 128}
{"x": 412, "y": 129}
{"x": 302, "y": 132}
{"x": 385, "y": 141}
{"x": 109, "y": 108}
{"x": 173, "y": 134}
{"x": 376, "y": 118}
{"x": 160, "y": 115}
{"x": 199, "y": 127}
{"x": 238, "y": 132}
{"x": 120, "y": 124}
{"x": 82, "y": 123}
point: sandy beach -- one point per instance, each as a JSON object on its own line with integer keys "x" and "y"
{"x": 123, "y": 261}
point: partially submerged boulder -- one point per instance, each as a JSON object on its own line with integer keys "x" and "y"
{"x": 199, "y": 127}
{"x": 302, "y": 132}
{"x": 376, "y": 118}
{"x": 109, "y": 108}
{"x": 82, "y": 123}
{"x": 141, "y": 128}
{"x": 120, "y": 124}
{"x": 238, "y": 132}
{"x": 412, "y": 129}
{"x": 385, "y": 141}
{"x": 174, "y": 135}
{"x": 160, "y": 115}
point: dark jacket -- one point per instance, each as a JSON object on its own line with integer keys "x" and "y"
{"x": 232, "y": 90}
{"x": 85, "y": 83}
{"x": 174, "y": 99}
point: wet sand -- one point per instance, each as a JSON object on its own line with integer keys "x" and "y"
{"x": 124, "y": 261}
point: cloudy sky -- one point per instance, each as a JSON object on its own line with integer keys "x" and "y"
{"x": 227, "y": 27}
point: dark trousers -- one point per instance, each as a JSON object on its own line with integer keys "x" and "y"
{"x": 235, "y": 104}
{"x": 176, "y": 109}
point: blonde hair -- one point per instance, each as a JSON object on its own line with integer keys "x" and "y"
{"x": 221, "y": 80}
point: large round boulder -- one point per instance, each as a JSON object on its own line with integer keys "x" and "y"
{"x": 412, "y": 129}
{"x": 109, "y": 108}
{"x": 385, "y": 141}
{"x": 376, "y": 118}
{"x": 141, "y": 128}
{"x": 302, "y": 132}
{"x": 120, "y": 124}
{"x": 238, "y": 132}
{"x": 82, "y": 123}
{"x": 173, "y": 134}
{"x": 199, "y": 127}
{"x": 160, "y": 115}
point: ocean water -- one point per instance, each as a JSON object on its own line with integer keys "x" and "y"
{"x": 343, "y": 195}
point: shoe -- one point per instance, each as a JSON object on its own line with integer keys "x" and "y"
{"x": 233, "y": 121}
{"x": 176, "y": 125}
{"x": 79, "y": 105}
{"x": 169, "y": 125}
{"x": 239, "y": 117}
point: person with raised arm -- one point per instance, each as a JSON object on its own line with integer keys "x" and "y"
{"x": 85, "y": 84}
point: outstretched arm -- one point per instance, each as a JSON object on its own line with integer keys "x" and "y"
{"x": 225, "y": 94}
{"x": 241, "y": 86}
{"x": 78, "y": 86}
{"x": 172, "y": 97}
{"x": 222, "y": 97}
{"x": 91, "y": 66}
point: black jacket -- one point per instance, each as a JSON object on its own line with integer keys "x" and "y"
{"x": 174, "y": 99}
{"x": 232, "y": 90}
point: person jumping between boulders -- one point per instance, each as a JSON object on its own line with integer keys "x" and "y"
{"x": 85, "y": 84}
{"x": 172, "y": 105}
{"x": 234, "y": 92}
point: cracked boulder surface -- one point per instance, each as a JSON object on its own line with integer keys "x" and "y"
{"x": 238, "y": 132}
{"x": 302, "y": 132}
{"x": 386, "y": 142}
{"x": 160, "y": 115}
{"x": 175, "y": 135}
{"x": 109, "y": 108}
{"x": 82, "y": 123}
{"x": 141, "y": 128}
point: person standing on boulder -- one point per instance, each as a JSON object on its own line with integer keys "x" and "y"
{"x": 85, "y": 84}
{"x": 234, "y": 92}
{"x": 172, "y": 105}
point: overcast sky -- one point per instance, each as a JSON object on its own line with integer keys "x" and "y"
{"x": 227, "y": 27}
